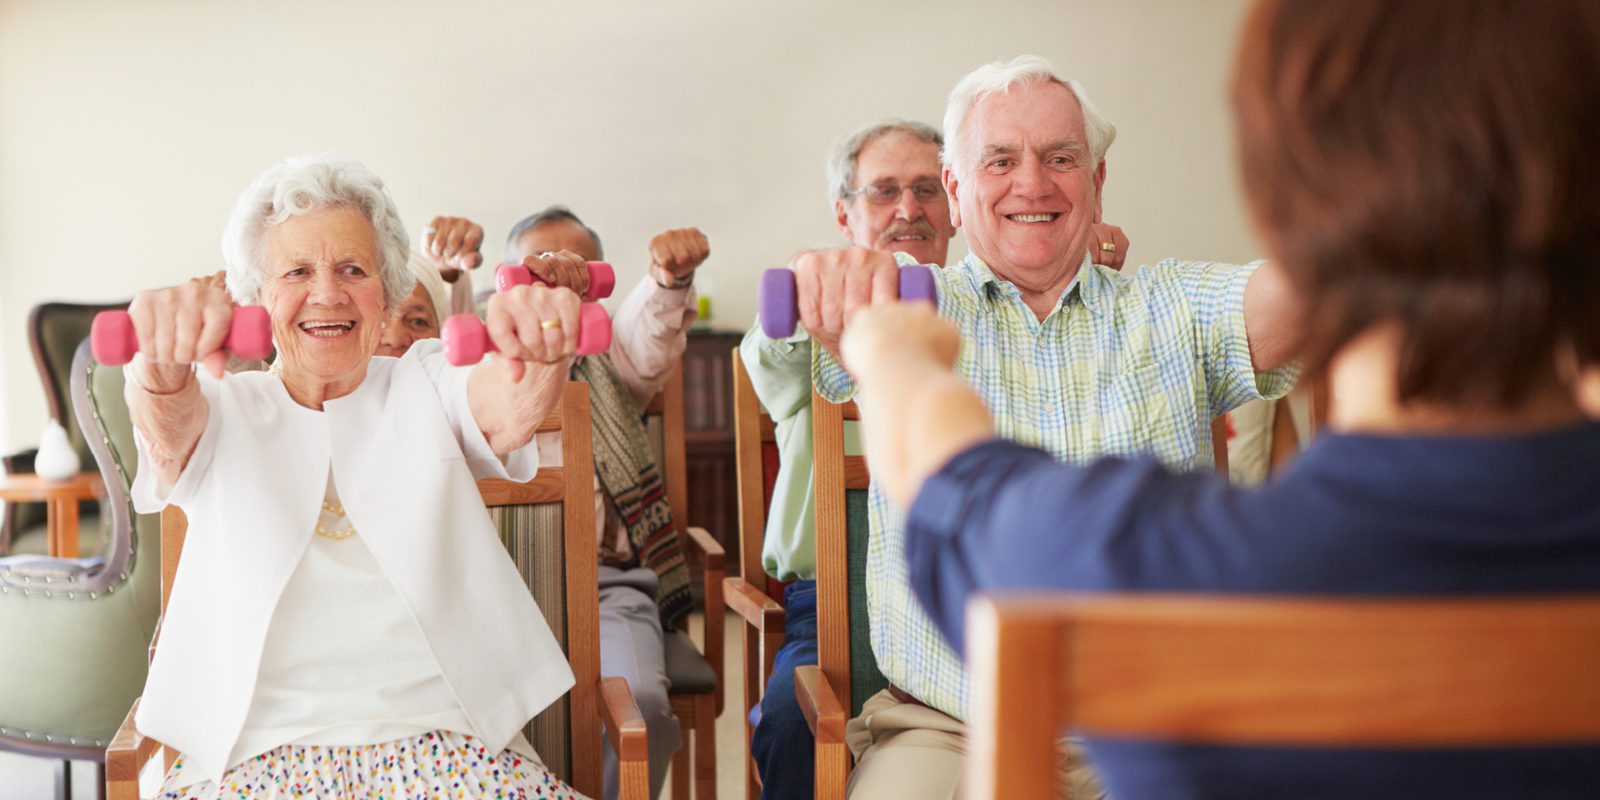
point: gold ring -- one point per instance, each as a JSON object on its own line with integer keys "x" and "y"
{"x": 1109, "y": 247}
{"x": 550, "y": 323}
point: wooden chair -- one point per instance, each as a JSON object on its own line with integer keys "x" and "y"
{"x": 748, "y": 595}
{"x": 1327, "y": 673}
{"x": 846, "y": 673}
{"x": 547, "y": 525}
{"x": 696, "y": 676}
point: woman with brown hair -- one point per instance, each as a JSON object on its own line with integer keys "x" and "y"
{"x": 1426, "y": 175}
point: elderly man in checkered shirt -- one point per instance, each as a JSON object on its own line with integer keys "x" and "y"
{"x": 1070, "y": 356}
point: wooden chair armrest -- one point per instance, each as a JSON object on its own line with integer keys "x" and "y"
{"x": 753, "y": 605}
{"x": 629, "y": 740}
{"x": 713, "y": 562}
{"x": 624, "y": 722}
{"x": 824, "y": 714}
{"x": 126, "y": 756}
{"x": 701, "y": 545}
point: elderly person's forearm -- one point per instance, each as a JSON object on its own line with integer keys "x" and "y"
{"x": 509, "y": 411}
{"x": 168, "y": 410}
{"x": 917, "y": 415}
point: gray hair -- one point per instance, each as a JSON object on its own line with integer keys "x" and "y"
{"x": 425, "y": 272}
{"x": 1000, "y": 76}
{"x": 847, "y": 152}
{"x": 555, "y": 213}
{"x": 301, "y": 185}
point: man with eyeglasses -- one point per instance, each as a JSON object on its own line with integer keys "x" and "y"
{"x": 884, "y": 180}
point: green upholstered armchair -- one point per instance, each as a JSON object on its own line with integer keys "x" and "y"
{"x": 79, "y": 629}
{"x": 54, "y": 331}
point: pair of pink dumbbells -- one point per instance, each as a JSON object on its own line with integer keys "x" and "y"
{"x": 114, "y": 342}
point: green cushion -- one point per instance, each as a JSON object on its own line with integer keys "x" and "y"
{"x": 533, "y": 537}
{"x": 865, "y": 678}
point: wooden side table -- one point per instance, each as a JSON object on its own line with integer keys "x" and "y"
{"x": 61, "y": 500}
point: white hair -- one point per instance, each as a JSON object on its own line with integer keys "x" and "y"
{"x": 427, "y": 273}
{"x": 301, "y": 185}
{"x": 847, "y": 153}
{"x": 1000, "y": 76}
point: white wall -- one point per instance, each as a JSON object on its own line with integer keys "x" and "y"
{"x": 127, "y": 128}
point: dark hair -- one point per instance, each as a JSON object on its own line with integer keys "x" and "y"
{"x": 556, "y": 213}
{"x": 1434, "y": 165}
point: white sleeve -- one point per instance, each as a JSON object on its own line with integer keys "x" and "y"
{"x": 149, "y": 493}
{"x": 451, "y": 382}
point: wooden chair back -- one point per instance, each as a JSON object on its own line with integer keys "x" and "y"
{"x": 755, "y": 455}
{"x": 1311, "y": 672}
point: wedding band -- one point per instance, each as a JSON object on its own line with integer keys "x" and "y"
{"x": 1109, "y": 247}
{"x": 547, "y": 254}
{"x": 550, "y": 324}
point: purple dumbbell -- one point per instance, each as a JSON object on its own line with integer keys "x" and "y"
{"x": 775, "y": 297}
{"x": 113, "y": 341}
{"x": 466, "y": 339}
{"x": 602, "y": 279}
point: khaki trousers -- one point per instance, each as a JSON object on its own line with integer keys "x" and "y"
{"x": 904, "y": 750}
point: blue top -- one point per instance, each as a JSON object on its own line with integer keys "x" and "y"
{"x": 1357, "y": 515}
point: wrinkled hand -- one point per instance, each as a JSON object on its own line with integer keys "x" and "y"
{"x": 533, "y": 323}
{"x": 216, "y": 280}
{"x": 562, "y": 269}
{"x": 1101, "y": 234}
{"x": 177, "y": 327}
{"x": 882, "y": 337}
{"x": 454, "y": 243}
{"x": 676, "y": 253}
{"x": 832, "y": 285}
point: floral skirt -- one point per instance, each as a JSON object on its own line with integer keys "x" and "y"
{"x": 438, "y": 764}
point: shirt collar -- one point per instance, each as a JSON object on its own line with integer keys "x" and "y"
{"x": 1090, "y": 284}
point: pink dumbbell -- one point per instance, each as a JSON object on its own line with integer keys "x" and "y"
{"x": 602, "y": 279}
{"x": 113, "y": 340}
{"x": 466, "y": 339}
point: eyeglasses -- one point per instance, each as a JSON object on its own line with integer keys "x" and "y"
{"x": 883, "y": 194}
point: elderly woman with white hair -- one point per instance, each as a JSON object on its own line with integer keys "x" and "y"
{"x": 421, "y": 314}
{"x": 344, "y": 619}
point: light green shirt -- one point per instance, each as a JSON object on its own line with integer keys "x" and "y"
{"x": 780, "y": 370}
{"x": 1123, "y": 364}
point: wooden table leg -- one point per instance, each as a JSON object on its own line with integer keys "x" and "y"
{"x": 63, "y": 527}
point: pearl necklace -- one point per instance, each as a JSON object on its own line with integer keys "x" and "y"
{"x": 340, "y": 534}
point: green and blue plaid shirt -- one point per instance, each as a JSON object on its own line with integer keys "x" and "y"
{"x": 1124, "y": 364}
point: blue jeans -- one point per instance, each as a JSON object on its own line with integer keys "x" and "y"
{"x": 782, "y": 745}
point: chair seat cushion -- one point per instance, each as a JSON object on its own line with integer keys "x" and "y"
{"x": 687, "y": 669}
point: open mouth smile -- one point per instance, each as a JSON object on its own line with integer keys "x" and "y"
{"x": 328, "y": 329}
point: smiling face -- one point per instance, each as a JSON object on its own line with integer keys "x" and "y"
{"x": 922, "y": 229}
{"x": 1026, "y": 192}
{"x": 325, "y": 297}
{"x": 413, "y": 319}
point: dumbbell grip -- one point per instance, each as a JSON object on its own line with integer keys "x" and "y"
{"x": 602, "y": 279}
{"x": 114, "y": 341}
{"x": 780, "y": 311}
{"x": 466, "y": 340}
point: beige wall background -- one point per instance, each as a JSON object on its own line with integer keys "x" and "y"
{"x": 128, "y": 128}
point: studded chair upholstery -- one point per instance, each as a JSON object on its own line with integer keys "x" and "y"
{"x": 54, "y": 331}
{"x": 77, "y": 629}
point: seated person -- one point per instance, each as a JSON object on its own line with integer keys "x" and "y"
{"x": 421, "y": 315}
{"x": 644, "y": 582}
{"x": 345, "y": 619}
{"x": 1451, "y": 292}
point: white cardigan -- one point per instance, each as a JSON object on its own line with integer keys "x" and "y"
{"x": 405, "y": 452}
